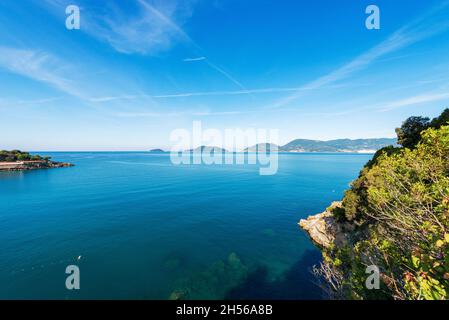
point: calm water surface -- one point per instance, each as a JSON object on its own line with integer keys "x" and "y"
{"x": 146, "y": 229}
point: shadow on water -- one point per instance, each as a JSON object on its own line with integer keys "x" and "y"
{"x": 295, "y": 284}
{"x": 231, "y": 279}
{"x": 214, "y": 282}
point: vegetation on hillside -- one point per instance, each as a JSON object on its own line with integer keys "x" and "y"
{"x": 340, "y": 145}
{"x": 16, "y": 155}
{"x": 400, "y": 207}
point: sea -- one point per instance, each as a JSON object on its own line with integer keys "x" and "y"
{"x": 136, "y": 226}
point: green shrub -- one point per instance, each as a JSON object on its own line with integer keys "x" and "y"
{"x": 400, "y": 203}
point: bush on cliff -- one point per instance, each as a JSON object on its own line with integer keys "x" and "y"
{"x": 400, "y": 204}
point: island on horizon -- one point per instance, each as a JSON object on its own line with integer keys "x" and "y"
{"x": 157, "y": 151}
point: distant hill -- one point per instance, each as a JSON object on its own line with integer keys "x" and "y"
{"x": 157, "y": 151}
{"x": 339, "y": 145}
{"x": 208, "y": 149}
{"x": 262, "y": 147}
{"x": 305, "y": 145}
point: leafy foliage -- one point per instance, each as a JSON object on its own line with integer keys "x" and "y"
{"x": 440, "y": 121}
{"x": 400, "y": 206}
{"x": 16, "y": 155}
{"x": 409, "y": 134}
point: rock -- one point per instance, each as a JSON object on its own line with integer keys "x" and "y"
{"x": 325, "y": 230}
{"x": 180, "y": 294}
{"x": 32, "y": 165}
{"x": 60, "y": 165}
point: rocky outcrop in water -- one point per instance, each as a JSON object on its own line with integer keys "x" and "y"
{"x": 32, "y": 165}
{"x": 325, "y": 230}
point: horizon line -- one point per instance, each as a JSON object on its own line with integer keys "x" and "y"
{"x": 164, "y": 149}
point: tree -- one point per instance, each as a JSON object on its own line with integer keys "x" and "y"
{"x": 400, "y": 202}
{"x": 403, "y": 224}
{"x": 408, "y": 195}
{"x": 440, "y": 121}
{"x": 409, "y": 134}
{"x": 16, "y": 155}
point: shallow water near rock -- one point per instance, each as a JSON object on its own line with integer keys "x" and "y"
{"x": 146, "y": 229}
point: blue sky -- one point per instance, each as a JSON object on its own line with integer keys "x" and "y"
{"x": 136, "y": 70}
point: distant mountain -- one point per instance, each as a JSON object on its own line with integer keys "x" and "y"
{"x": 208, "y": 149}
{"x": 305, "y": 145}
{"x": 262, "y": 147}
{"x": 339, "y": 145}
{"x": 157, "y": 151}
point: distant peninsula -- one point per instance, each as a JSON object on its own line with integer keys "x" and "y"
{"x": 212, "y": 149}
{"x": 310, "y": 146}
{"x": 16, "y": 160}
{"x": 339, "y": 145}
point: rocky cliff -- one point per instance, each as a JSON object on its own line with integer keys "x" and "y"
{"x": 325, "y": 230}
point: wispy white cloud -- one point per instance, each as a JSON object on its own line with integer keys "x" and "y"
{"x": 39, "y": 101}
{"x": 209, "y": 93}
{"x": 116, "y": 98}
{"x": 30, "y": 102}
{"x": 175, "y": 114}
{"x": 414, "y": 100}
{"x": 173, "y": 26}
{"x": 194, "y": 59}
{"x": 148, "y": 29}
{"x": 168, "y": 19}
{"x": 132, "y": 26}
{"x": 225, "y": 73}
{"x": 39, "y": 66}
{"x": 154, "y": 27}
{"x": 44, "y": 67}
{"x": 431, "y": 23}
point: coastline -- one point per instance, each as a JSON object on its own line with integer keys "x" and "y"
{"x": 32, "y": 165}
{"x": 325, "y": 231}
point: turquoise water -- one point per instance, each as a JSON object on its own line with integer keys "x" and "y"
{"x": 145, "y": 228}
